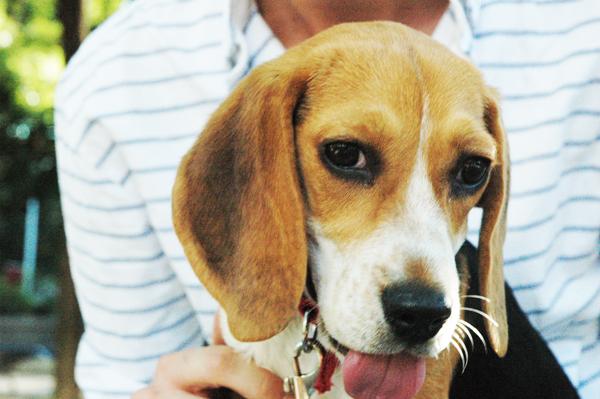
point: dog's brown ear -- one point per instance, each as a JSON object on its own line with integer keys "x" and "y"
{"x": 238, "y": 208}
{"x": 493, "y": 230}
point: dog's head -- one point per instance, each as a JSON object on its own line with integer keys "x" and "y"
{"x": 359, "y": 152}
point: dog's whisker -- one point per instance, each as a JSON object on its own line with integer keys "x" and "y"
{"x": 464, "y": 348}
{"x": 459, "y": 332}
{"x": 479, "y": 312}
{"x": 475, "y": 331}
{"x": 459, "y": 350}
{"x": 483, "y": 298}
{"x": 461, "y": 342}
{"x": 466, "y": 332}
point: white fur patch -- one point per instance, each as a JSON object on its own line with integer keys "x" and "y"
{"x": 276, "y": 354}
{"x": 349, "y": 276}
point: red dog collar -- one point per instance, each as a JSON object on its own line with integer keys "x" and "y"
{"x": 330, "y": 361}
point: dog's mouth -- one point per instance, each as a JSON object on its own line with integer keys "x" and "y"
{"x": 367, "y": 376}
{"x": 398, "y": 376}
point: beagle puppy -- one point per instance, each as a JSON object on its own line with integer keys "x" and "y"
{"x": 344, "y": 171}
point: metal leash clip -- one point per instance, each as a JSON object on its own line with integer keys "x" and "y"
{"x": 297, "y": 384}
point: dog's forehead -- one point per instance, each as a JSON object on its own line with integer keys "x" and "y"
{"x": 388, "y": 62}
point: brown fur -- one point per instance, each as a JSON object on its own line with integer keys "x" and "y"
{"x": 419, "y": 270}
{"x": 237, "y": 203}
{"x": 246, "y": 189}
{"x": 493, "y": 230}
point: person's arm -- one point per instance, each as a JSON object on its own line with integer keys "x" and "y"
{"x": 133, "y": 305}
{"x": 141, "y": 333}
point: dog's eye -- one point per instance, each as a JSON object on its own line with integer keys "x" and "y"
{"x": 351, "y": 160}
{"x": 473, "y": 172}
{"x": 345, "y": 155}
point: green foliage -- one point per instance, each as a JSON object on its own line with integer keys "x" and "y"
{"x": 13, "y": 301}
{"x": 98, "y": 10}
{"x": 32, "y": 32}
{"x": 30, "y": 65}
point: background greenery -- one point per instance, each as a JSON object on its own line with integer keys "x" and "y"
{"x": 31, "y": 63}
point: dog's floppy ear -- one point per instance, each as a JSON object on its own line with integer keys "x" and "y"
{"x": 238, "y": 208}
{"x": 493, "y": 230}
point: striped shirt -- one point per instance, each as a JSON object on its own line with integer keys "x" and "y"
{"x": 142, "y": 86}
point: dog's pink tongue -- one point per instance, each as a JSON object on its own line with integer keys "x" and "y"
{"x": 382, "y": 377}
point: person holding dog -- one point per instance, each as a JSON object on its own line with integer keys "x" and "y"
{"x": 140, "y": 89}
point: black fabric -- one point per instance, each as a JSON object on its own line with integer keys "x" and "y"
{"x": 529, "y": 369}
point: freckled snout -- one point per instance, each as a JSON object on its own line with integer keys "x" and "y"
{"x": 414, "y": 311}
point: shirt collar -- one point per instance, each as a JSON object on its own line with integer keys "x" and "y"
{"x": 237, "y": 14}
{"x": 455, "y": 30}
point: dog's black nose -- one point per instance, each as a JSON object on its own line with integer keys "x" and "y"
{"x": 414, "y": 311}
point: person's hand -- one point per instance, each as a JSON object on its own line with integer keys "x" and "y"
{"x": 194, "y": 373}
{"x": 199, "y": 372}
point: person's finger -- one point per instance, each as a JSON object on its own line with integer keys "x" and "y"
{"x": 217, "y": 335}
{"x": 201, "y": 369}
{"x": 155, "y": 392}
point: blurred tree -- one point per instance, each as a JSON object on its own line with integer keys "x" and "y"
{"x": 31, "y": 62}
{"x": 36, "y": 37}
{"x": 74, "y": 26}
{"x": 70, "y": 326}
